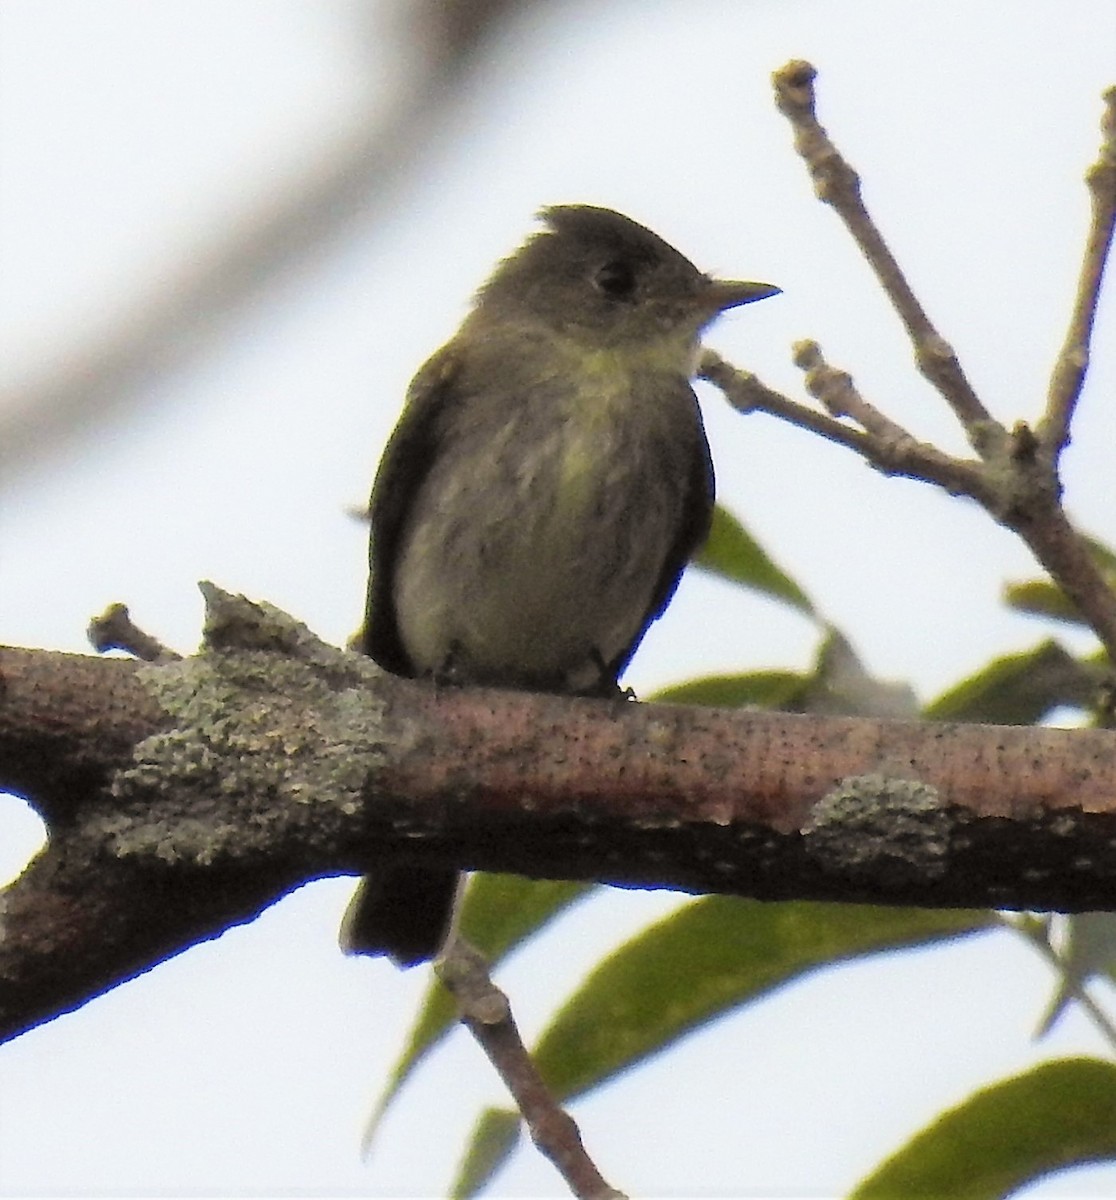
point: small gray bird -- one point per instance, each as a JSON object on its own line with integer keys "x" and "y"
{"x": 540, "y": 496}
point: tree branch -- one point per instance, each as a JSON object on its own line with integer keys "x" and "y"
{"x": 185, "y": 797}
{"x": 748, "y": 393}
{"x": 1016, "y": 476}
{"x": 838, "y": 185}
{"x": 486, "y": 1013}
{"x": 1073, "y": 361}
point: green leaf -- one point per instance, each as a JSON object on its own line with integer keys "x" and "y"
{"x": 498, "y": 913}
{"x": 711, "y": 957}
{"x": 1019, "y": 689}
{"x": 763, "y": 689}
{"x": 838, "y": 683}
{"x": 1044, "y": 598}
{"x": 1041, "y": 598}
{"x": 731, "y": 552}
{"x": 1060, "y": 1114}
{"x": 495, "y": 1137}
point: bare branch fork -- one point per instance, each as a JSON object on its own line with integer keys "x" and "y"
{"x": 1015, "y": 474}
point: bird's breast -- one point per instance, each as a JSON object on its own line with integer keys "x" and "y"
{"x": 534, "y": 553}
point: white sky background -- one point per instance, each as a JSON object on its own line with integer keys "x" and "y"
{"x": 131, "y": 133}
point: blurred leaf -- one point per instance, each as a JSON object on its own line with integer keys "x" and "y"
{"x": 498, "y": 913}
{"x": 1104, "y": 556}
{"x": 495, "y": 1137}
{"x": 1041, "y": 598}
{"x": 710, "y": 957}
{"x": 1089, "y": 951}
{"x": 1044, "y": 598}
{"x": 731, "y": 552}
{"x": 762, "y": 689}
{"x": 1057, "y": 1115}
{"x": 840, "y": 684}
{"x": 1019, "y": 689}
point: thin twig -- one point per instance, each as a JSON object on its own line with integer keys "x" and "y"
{"x": 115, "y": 630}
{"x": 748, "y": 393}
{"x": 485, "y": 1012}
{"x": 1017, "y": 482}
{"x": 835, "y": 389}
{"x": 897, "y": 453}
{"x": 1073, "y": 361}
{"x": 838, "y": 185}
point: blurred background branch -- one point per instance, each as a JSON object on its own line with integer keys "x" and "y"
{"x": 365, "y": 168}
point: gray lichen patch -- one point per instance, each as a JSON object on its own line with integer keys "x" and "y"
{"x": 894, "y": 831}
{"x": 272, "y": 734}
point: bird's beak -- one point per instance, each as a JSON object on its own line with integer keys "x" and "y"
{"x": 728, "y": 293}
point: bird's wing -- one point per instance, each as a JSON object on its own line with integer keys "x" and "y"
{"x": 693, "y": 529}
{"x": 410, "y": 451}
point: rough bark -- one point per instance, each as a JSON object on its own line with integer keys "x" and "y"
{"x": 185, "y": 797}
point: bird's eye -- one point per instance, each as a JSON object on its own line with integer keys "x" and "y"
{"x": 616, "y": 279}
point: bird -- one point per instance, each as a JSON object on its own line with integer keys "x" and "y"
{"x": 538, "y": 500}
